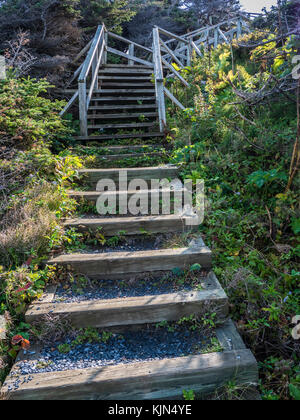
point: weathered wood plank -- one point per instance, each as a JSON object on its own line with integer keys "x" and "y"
{"x": 122, "y": 116}
{"x": 120, "y": 136}
{"x": 116, "y": 263}
{"x": 130, "y": 57}
{"x": 93, "y": 176}
{"x": 122, "y": 107}
{"x": 159, "y": 379}
{"x": 134, "y": 310}
{"x": 116, "y": 126}
{"x": 131, "y": 225}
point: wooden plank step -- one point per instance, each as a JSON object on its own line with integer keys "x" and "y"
{"x": 119, "y": 157}
{"x": 126, "y": 71}
{"x": 125, "y": 91}
{"x": 117, "y": 126}
{"x": 122, "y": 98}
{"x": 92, "y": 176}
{"x": 121, "y": 116}
{"x": 130, "y": 148}
{"x": 126, "y": 66}
{"x": 113, "y": 264}
{"x": 121, "y": 136}
{"x": 131, "y": 225}
{"x": 125, "y": 78}
{"x": 136, "y": 310}
{"x": 118, "y": 99}
{"x": 158, "y": 379}
{"x": 92, "y": 196}
{"x": 126, "y": 84}
{"x": 122, "y": 107}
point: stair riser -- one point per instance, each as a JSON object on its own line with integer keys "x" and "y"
{"x": 113, "y": 158}
{"x": 124, "y": 116}
{"x": 122, "y": 100}
{"x": 132, "y": 227}
{"x": 118, "y": 318}
{"x": 141, "y": 135}
{"x": 109, "y": 266}
{"x": 127, "y": 93}
{"x": 162, "y": 379}
{"x": 90, "y": 178}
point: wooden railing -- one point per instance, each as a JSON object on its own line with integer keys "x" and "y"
{"x": 168, "y": 49}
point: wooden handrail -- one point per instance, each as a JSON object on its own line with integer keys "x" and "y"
{"x": 93, "y": 60}
{"x": 91, "y": 54}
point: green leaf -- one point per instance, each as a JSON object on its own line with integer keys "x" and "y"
{"x": 295, "y": 392}
{"x": 296, "y": 226}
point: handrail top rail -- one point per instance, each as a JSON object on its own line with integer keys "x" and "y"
{"x": 88, "y": 61}
{"x": 208, "y": 28}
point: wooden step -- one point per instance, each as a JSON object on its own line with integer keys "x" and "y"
{"x": 131, "y": 225}
{"x": 111, "y": 158}
{"x": 121, "y": 136}
{"x": 108, "y": 85}
{"x": 158, "y": 379}
{"x": 123, "y": 99}
{"x": 122, "y": 116}
{"x": 93, "y": 176}
{"x": 118, "y": 126}
{"x": 130, "y": 148}
{"x": 126, "y": 66}
{"x": 112, "y": 265}
{"x": 122, "y": 107}
{"x": 136, "y": 310}
{"x": 125, "y": 78}
{"x": 145, "y": 196}
{"x": 126, "y": 70}
{"x": 128, "y": 92}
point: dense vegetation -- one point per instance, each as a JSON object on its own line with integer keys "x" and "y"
{"x": 240, "y": 133}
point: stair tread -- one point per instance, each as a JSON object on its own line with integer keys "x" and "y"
{"x": 120, "y": 136}
{"x": 123, "y": 115}
{"x": 119, "y": 107}
{"x": 148, "y": 309}
{"x": 115, "y": 126}
{"x": 143, "y": 380}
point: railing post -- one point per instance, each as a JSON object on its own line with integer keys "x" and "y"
{"x": 159, "y": 80}
{"x": 131, "y": 52}
{"x": 105, "y": 47}
{"x": 239, "y": 28}
{"x": 94, "y": 68}
{"x": 82, "y": 108}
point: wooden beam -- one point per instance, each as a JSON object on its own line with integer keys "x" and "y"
{"x": 171, "y": 53}
{"x": 127, "y": 41}
{"x": 173, "y": 99}
{"x": 129, "y": 57}
{"x": 171, "y": 68}
{"x": 70, "y": 103}
{"x": 171, "y": 35}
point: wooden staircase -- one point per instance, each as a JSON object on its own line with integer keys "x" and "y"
{"x": 167, "y": 377}
{"x": 126, "y": 99}
{"x": 124, "y": 106}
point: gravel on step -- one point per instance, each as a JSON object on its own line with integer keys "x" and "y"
{"x": 130, "y": 347}
{"x": 135, "y": 287}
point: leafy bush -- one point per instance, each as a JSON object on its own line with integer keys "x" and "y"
{"x": 34, "y": 197}
{"x": 238, "y": 134}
